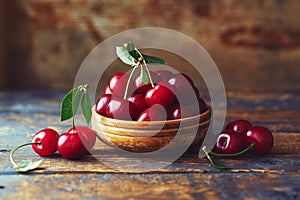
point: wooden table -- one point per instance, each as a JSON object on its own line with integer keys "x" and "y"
{"x": 275, "y": 176}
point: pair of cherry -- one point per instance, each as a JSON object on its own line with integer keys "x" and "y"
{"x": 164, "y": 98}
{"x": 73, "y": 144}
{"x": 240, "y": 134}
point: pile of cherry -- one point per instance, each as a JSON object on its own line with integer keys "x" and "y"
{"x": 73, "y": 144}
{"x": 170, "y": 97}
{"x": 240, "y": 135}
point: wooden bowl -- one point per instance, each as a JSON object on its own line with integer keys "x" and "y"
{"x": 150, "y": 136}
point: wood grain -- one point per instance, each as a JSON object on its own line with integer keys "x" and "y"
{"x": 273, "y": 176}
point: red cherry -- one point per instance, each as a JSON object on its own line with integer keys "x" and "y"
{"x": 164, "y": 75}
{"x": 119, "y": 108}
{"x": 70, "y": 146}
{"x": 161, "y": 94}
{"x": 141, "y": 87}
{"x": 101, "y": 104}
{"x": 154, "y": 113}
{"x": 239, "y": 126}
{"x": 87, "y": 135}
{"x": 183, "y": 88}
{"x": 181, "y": 82}
{"x": 107, "y": 90}
{"x": 139, "y": 101}
{"x": 115, "y": 79}
{"x": 178, "y": 112}
{"x": 262, "y": 137}
{"x": 228, "y": 142}
{"x": 48, "y": 142}
{"x": 117, "y": 84}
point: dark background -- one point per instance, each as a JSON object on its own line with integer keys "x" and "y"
{"x": 253, "y": 42}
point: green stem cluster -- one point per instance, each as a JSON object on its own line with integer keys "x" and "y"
{"x": 140, "y": 63}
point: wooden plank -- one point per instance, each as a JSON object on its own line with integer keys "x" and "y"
{"x": 274, "y": 176}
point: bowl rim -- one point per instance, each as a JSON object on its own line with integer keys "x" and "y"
{"x": 166, "y": 122}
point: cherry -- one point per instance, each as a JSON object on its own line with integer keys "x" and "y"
{"x": 87, "y": 135}
{"x": 115, "y": 79}
{"x": 107, "y": 90}
{"x": 164, "y": 75}
{"x": 70, "y": 146}
{"x": 181, "y": 82}
{"x": 47, "y": 139}
{"x": 119, "y": 108}
{"x": 228, "y": 142}
{"x": 141, "y": 87}
{"x": 139, "y": 101}
{"x": 183, "y": 88}
{"x": 239, "y": 126}
{"x": 262, "y": 137}
{"x": 101, "y": 104}
{"x": 117, "y": 84}
{"x": 154, "y": 113}
{"x": 161, "y": 94}
{"x": 178, "y": 112}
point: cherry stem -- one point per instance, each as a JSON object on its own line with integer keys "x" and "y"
{"x": 73, "y": 122}
{"x": 15, "y": 149}
{"x": 218, "y": 165}
{"x": 233, "y": 154}
{"x": 212, "y": 162}
{"x": 145, "y": 64}
{"x": 130, "y": 77}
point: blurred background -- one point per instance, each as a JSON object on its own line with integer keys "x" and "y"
{"x": 254, "y": 42}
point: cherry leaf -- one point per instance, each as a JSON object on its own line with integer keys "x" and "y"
{"x": 124, "y": 55}
{"x": 144, "y": 76}
{"x": 153, "y": 60}
{"x": 86, "y": 107}
{"x": 70, "y": 103}
{"x": 28, "y": 165}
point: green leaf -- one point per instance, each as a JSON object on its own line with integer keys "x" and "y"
{"x": 27, "y": 165}
{"x": 153, "y": 60}
{"x": 124, "y": 55}
{"x": 144, "y": 76}
{"x": 86, "y": 107}
{"x": 130, "y": 46}
{"x": 131, "y": 49}
{"x": 70, "y": 103}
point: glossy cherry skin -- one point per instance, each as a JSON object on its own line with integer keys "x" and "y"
{"x": 228, "y": 142}
{"x": 119, "y": 108}
{"x": 178, "y": 112}
{"x": 101, "y": 104}
{"x": 107, "y": 90}
{"x": 140, "y": 87}
{"x": 139, "y": 101}
{"x": 181, "y": 82}
{"x": 117, "y": 84}
{"x": 262, "y": 137}
{"x": 161, "y": 94}
{"x": 184, "y": 88}
{"x": 164, "y": 75}
{"x": 70, "y": 146}
{"x": 48, "y": 142}
{"x": 87, "y": 136}
{"x": 239, "y": 126}
{"x": 154, "y": 113}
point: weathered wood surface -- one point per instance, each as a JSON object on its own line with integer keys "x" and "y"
{"x": 275, "y": 176}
